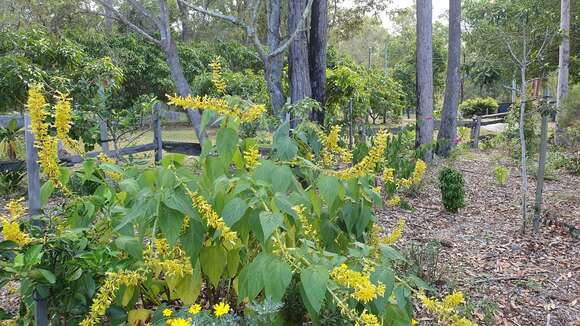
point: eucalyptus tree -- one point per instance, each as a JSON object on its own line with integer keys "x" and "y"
{"x": 448, "y": 129}
{"x": 563, "y": 61}
{"x": 424, "y": 68}
{"x": 163, "y": 38}
{"x": 317, "y": 55}
{"x": 271, "y": 53}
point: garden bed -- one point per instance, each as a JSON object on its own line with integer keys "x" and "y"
{"x": 509, "y": 278}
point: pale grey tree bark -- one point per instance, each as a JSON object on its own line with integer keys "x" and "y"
{"x": 317, "y": 56}
{"x": 448, "y": 129}
{"x": 273, "y": 65}
{"x": 186, "y": 32}
{"x": 108, "y": 16}
{"x": 424, "y": 123}
{"x": 563, "y": 64}
{"x": 298, "y": 65}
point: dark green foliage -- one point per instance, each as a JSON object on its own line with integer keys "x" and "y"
{"x": 451, "y": 185}
{"x": 10, "y": 180}
{"x": 478, "y": 106}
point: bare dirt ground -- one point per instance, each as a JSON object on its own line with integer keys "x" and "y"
{"x": 509, "y": 278}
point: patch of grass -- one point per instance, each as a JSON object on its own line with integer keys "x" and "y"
{"x": 485, "y": 308}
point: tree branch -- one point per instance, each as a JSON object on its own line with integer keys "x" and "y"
{"x": 132, "y": 26}
{"x": 509, "y": 47}
{"x": 143, "y": 11}
{"x": 298, "y": 29}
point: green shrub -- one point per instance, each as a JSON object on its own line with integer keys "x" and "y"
{"x": 573, "y": 165}
{"x": 569, "y": 118}
{"x": 451, "y": 185}
{"x": 501, "y": 175}
{"x": 478, "y": 106}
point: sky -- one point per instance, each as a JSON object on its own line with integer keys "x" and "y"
{"x": 439, "y": 8}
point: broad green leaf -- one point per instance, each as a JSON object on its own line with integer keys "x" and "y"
{"x": 48, "y": 275}
{"x": 138, "y": 317}
{"x": 270, "y": 222}
{"x": 187, "y": 288}
{"x": 330, "y": 188}
{"x": 282, "y": 178}
{"x": 283, "y": 147}
{"x": 234, "y": 210}
{"x": 131, "y": 245}
{"x": 233, "y": 262}
{"x": 250, "y": 280}
{"x": 170, "y": 222}
{"x": 213, "y": 262}
{"x": 192, "y": 239}
{"x": 45, "y": 191}
{"x": 277, "y": 276}
{"x": 227, "y": 142}
{"x": 313, "y": 281}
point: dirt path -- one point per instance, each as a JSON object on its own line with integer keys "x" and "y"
{"x": 509, "y": 278}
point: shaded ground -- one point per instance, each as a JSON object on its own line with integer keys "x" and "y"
{"x": 509, "y": 278}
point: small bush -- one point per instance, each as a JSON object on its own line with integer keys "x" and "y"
{"x": 573, "y": 165}
{"x": 569, "y": 117}
{"x": 451, "y": 185}
{"x": 478, "y": 106}
{"x": 501, "y": 175}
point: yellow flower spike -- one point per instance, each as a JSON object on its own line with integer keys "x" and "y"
{"x": 251, "y": 157}
{"x": 219, "y": 106}
{"x": 253, "y": 113}
{"x": 364, "y": 290}
{"x": 194, "y": 309}
{"x": 307, "y": 227}
{"x": 167, "y": 312}
{"x": 395, "y": 235}
{"x": 369, "y": 162}
{"x": 330, "y": 148}
{"x": 213, "y": 219}
{"x": 418, "y": 172}
{"x": 62, "y": 116}
{"x": 388, "y": 175}
{"x": 395, "y": 200}
{"x": 216, "y": 75}
{"x": 36, "y": 105}
{"x": 453, "y": 300}
{"x": 221, "y": 309}
{"x": 11, "y": 232}
{"x": 15, "y": 208}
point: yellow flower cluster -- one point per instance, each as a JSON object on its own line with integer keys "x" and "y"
{"x": 395, "y": 234}
{"x": 46, "y": 144}
{"x": 388, "y": 175}
{"x": 107, "y": 293}
{"x": 179, "y": 322}
{"x": 220, "y": 309}
{"x": 364, "y": 289}
{"x": 251, "y": 157}
{"x": 216, "y": 75}
{"x": 62, "y": 117}
{"x": 395, "y": 200}
{"x": 194, "y": 309}
{"x": 307, "y": 227}
{"x": 446, "y": 309}
{"x": 164, "y": 260}
{"x": 370, "y": 319}
{"x": 204, "y": 208}
{"x": 10, "y": 225}
{"x": 331, "y": 151}
{"x": 368, "y": 163}
{"x": 219, "y": 106}
{"x": 416, "y": 177}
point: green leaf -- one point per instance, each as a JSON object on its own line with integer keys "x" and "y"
{"x": 250, "y": 280}
{"x": 45, "y": 191}
{"x": 283, "y": 146}
{"x": 329, "y": 189}
{"x": 282, "y": 178}
{"x": 313, "y": 281}
{"x": 277, "y": 276}
{"x": 270, "y": 222}
{"x": 192, "y": 239}
{"x": 391, "y": 254}
{"x": 213, "y": 262}
{"x": 227, "y": 142}
{"x": 187, "y": 288}
{"x": 48, "y": 275}
{"x": 234, "y": 210}
{"x": 131, "y": 245}
{"x": 170, "y": 222}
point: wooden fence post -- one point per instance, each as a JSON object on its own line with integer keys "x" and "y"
{"x": 33, "y": 175}
{"x": 475, "y": 130}
{"x": 157, "y": 139}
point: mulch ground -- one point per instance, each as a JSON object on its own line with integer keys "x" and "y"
{"x": 509, "y": 278}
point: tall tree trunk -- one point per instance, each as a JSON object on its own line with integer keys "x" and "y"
{"x": 186, "y": 32}
{"x": 108, "y": 17}
{"x": 524, "y": 171}
{"x": 424, "y": 124}
{"x": 317, "y": 56}
{"x": 299, "y": 70}
{"x": 563, "y": 64}
{"x": 448, "y": 129}
{"x": 274, "y": 65}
